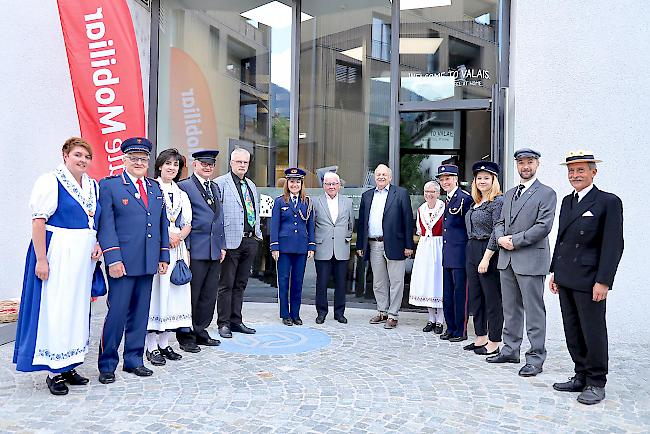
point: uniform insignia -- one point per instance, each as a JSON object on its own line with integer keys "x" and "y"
{"x": 284, "y": 208}
{"x": 125, "y": 201}
{"x": 139, "y": 141}
{"x": 159, "y": 197}
{"x": 137, "y": 195}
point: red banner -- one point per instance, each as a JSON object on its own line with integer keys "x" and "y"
{"x": 106, "y": 79}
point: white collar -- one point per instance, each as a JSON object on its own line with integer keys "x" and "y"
{"x": 528, "y": 183}
{"x": 134, "y": 180}
{"x": 452, "y": 192}
{"x": 332, "y": 199}
{"x": 203, "y": 181}
{"x": 387, "y": 188}
{"x": 582, "y": 193}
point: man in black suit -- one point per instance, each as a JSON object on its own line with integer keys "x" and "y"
{"x": 385, "y": 237}
{"x": 587, "y": 252}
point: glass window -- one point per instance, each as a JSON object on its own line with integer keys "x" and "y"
{"x": 224, "y": 81}
{"x": 447, "y": 50}
{"x": 344, "y": 89}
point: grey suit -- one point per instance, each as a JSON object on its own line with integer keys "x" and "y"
{"x": 241, "y": 248}
{"x": 529, "y": 220}
{"x": 332, "y": 251}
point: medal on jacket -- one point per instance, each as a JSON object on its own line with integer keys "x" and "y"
{"x": 209, "y": 201}
{"x": 137, "y": 195}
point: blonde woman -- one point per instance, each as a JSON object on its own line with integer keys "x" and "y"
{"x": 482, "y": 254}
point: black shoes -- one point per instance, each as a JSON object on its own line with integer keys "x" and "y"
{"x": 170, "y": 354}
{"x": 107, "y": 377}
{"x": 445, "y": 336}
{"x": 73, "y": 378}
{"x": 575, "y": 384}
{"x": 529, "y": 370}
{"x": 482, "y": 351}
{"x": 208, "y": 342}
{"x": 57, "y": 385}
{"x": 297, "y": 321}
{"x": 140, "y": 371}
{"x": 190, "y": 347}
{"x": 437, "y": 328}
{"x": 429, "y": 327}
{"x": 287, "y": 321}
{"x": 155, "y": 357}
{"x": 473, "y": 346}
{"x": 591, "y": 395}
{"x": 458, "y": 338}
{"x": 241, "y": 328}
{"x": 320, "y": 319}
{"x": 224, "y": 332}
{"x": 500, "y": 358}
{"x": 341, "y": 319}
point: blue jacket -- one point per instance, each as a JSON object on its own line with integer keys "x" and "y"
{"x": 290, "y": 233}
{"x": 454, "y": 231}
{"x": 207, "y": 237}
{"x": 128, "y": 231}
{"x": 397, "y": 223}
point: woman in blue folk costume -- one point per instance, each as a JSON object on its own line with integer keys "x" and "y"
{"x": 54, "y": 319}
{"x": 292, "y": 243}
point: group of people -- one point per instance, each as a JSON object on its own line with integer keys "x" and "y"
{"x": 486, "y": 253}
{"x": 148, "y": 231}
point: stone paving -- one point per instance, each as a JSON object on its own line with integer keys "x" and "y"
{"x": 355, "y": 378}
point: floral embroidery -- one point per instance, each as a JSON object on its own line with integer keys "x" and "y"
{"x": 45, "y": 353}
{"x": 170, "y": 318}
{"x": 429, "y": 299}
{"x": 89, "y": 203}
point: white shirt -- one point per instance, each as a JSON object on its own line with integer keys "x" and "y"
{"x": 375, "y": 226}
{"x": 451, "y": 193}
{"x": 582, "y": 193}
{"x": 333, "y": 205}
{"x": 134, "y": 180}
{"x": 527, "y": 184}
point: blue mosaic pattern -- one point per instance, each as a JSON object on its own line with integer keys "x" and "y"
{"x": 276, "y": 340}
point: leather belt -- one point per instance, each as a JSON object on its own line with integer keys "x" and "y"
{"x": 376, "y": 239}
{"x": 249, "y": 234}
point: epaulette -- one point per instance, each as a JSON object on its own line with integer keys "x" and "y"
{"x": 111, "y": 176}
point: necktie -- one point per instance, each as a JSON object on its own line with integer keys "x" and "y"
{"x": 208, "y": 190}
{"x": 143, "y": 193}
{"x": 294, "y": 199}
{"x": 248, "y": 203}
{"x": 520, "y": 188}
{"x": 576, "y": 198}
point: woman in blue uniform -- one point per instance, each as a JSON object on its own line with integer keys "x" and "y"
{"x": 292, "y": 243}
{"x": 54, "y": 318}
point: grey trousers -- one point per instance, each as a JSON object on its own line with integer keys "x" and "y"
{"x": 387, "y": 280}
{"x": 523, "y": 294}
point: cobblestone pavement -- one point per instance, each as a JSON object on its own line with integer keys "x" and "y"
{"x": 355, "y": 378}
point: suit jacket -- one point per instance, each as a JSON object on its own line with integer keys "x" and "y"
{"x": 207, "y": 236}
{"x": 397, "y": 223}
{"x": 130, "y": 232}
{"x": 454, "y": 231}
{"x": 529, "y": 220}
{"x": 588, "y": 247}
{"x": 333, "y": 237}
{"x": 290, "y": 232}
{"x": 234, "y": 211}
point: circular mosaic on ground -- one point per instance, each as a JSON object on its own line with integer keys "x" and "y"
{"x": 274, "y": 339}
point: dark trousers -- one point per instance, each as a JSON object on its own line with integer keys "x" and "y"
{"x": 291, "y": 271}
{"x": 484, "y": 292}
{"x": 585, "y": 329}
{"x": 235, "y": 271}
{"x": 204, "y": 284}
{"x": 454, "y": 300}
{"x": 324, "y": 269}
{"x": 128, "y": 313}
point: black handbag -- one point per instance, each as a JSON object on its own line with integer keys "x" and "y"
{"x": 181, "y": 273}
{"x": 98, "y": 287}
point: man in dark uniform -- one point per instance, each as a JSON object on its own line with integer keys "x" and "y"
{"x": 206, "y": 245}
{"x": 588, "y": 249}
{"x": 133, "y": 234}
{"x": 454, "y": 236}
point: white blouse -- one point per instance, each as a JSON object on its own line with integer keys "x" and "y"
{"x": 45, "y": 196}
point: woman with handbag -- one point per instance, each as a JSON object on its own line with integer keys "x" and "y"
{"x": 292, "y": 243}
{"x": 171, "y": 304}
{"x": 54, "y": 319}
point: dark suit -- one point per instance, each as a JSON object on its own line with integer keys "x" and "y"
{"x": 454, "y": 275}
{"x": 588, "y": 249}
{"x": 387, "y": 256}
{"x": 204, "y": 243}
{"x": 136, "y": 235}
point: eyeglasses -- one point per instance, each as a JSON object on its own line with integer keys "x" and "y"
{"x": 330, "y": 184}
{"x": 207, "y": 165}
{"x": 143, "y": 160}
{"x": 240, "y": 162}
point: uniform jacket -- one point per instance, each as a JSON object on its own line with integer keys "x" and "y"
{"x": 333, "y": 237}
{"x": 454, "y": 231}
{"x": 207, "y": 236}
{"x": 290, "y": 233}
{"x": 589, "y": 242}
{"x": 397, "y": 223}
{"x": 234, "y": 211}
{"x": 128, "y": 231}
{"x": 529, "y": 220}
